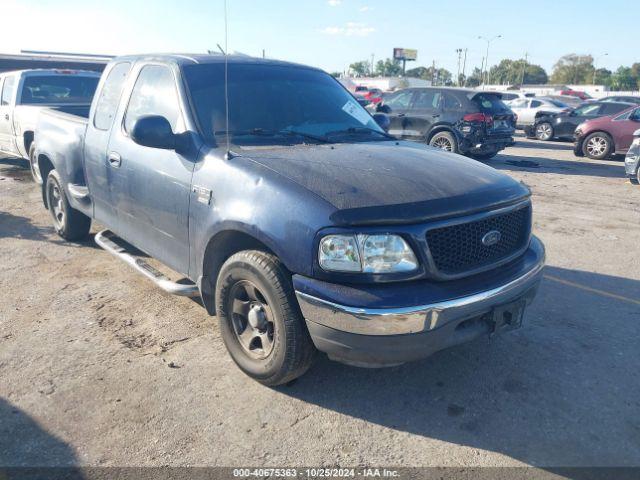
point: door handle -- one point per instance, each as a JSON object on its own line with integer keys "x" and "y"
{"x": 115, "y": 160}
{"x": 400, "y": 115}
{"x": 6, "y": 116}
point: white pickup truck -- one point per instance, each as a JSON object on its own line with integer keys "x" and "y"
{"x": 24, "y": 93}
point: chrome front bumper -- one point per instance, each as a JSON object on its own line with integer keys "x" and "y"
{"x": 421, "y": 318}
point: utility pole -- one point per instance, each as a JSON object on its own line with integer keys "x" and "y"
{"x": 595, "y": 69}
{"x": 464, "y": 66}
{"x": 433, "y": 73}
{"x": 526, "y": 56}
{"x": 263, "y": 53}
{"x": 372, "y": 67}
{"x": 486, "y": 57}
{"x": 459, "y": 52}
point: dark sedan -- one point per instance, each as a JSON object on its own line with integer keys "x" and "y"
{"x": 562, "y": 125}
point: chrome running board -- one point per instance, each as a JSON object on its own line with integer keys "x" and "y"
{"x": 104, "y": 240}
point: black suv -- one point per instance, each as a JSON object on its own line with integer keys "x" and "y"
{"x": 471, "y": 122}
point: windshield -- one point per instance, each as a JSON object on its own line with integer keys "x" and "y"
{"x": 276, "y": 104}
{"x": 53, "y": 89}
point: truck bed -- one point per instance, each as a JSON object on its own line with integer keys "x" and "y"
{"x": 79, "y": 111}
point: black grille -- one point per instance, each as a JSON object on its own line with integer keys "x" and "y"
{"x": 457, "y": 249}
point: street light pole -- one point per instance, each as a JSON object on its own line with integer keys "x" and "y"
{"x": 486, "y": 57}
{"x": 595, "y": 67}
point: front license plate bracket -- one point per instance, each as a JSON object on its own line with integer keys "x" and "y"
{"x": 508, "y": 317}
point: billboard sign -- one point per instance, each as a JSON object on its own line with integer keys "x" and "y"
{"x": 407, "y": 54}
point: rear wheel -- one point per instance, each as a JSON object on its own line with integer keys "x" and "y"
{"x": 69, "y": 223}
{"x": 33, "y": 164}
{"x": 444, "y": 141}
{"x": 544, "y": 131}
{"x": 597, "y": 146}
{"x": 260, "y": 320}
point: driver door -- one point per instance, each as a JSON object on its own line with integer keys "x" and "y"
{"x": 151, "y": 185}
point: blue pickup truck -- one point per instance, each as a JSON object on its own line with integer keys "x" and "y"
{"x": 290, "y": 212}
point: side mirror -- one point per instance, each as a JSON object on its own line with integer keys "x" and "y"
{"x": 154, "y": 131}
{"x": 382, "y": 108}
{"x": 383, "y": 121}
{"x": 636, "y": 134}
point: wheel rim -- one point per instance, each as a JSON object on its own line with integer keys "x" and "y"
{"x": 543, "y": 131}
{"x": 252, "y": 320}
{"x": 442, "y": 143}
{"x": 597, "y": 146}
{"x": 56, "y": 204}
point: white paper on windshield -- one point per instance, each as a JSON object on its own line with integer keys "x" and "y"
{"x": 357, "y": 112}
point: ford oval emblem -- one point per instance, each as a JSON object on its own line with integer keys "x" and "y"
{"x": 491, "y": 238}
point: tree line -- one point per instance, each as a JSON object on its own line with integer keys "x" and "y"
{"x": 569, "y": 69}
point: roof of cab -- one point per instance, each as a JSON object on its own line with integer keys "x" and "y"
{"x": 199, "y": 58}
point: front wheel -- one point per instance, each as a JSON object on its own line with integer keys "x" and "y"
{"x": 260, "y": 320}
{"x": 544, "y": 131}
{"x": 69, "y": 223}
{"x": 597, "y": 146}
{"x": 444, "y": 141}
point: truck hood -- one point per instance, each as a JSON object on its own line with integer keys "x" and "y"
{"x": 390, "y": 182}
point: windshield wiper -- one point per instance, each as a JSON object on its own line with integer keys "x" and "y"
{"x": 317, "y": 138}
{"x": 356, "y": 130}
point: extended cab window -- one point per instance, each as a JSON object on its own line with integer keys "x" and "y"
{"x": 7, "y": 90}
{"x": 110, "y": 96}
{"x": 154, "y": 94}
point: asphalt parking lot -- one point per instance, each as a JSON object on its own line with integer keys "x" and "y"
{"x": 99, "y": 367}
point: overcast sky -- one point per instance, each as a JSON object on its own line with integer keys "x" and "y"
{"x": 330, "y": 34}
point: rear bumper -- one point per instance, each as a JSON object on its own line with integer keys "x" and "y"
{"x": 453, "y": 312}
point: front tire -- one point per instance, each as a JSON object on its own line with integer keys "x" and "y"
{"x": 68, "y": 222}
{"x": 444, "y": 141}
{"x": 597, "y": 146}
{"x": 33, "y": 165}
{"x": 260, "y": 320}
{"x": 544, "y": 131}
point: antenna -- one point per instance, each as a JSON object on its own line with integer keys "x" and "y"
{"x": 228, "y": 155}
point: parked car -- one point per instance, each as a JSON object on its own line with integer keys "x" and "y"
{"x": 471, "y": 122}
{"x": 511, "y": 95}
{"x": 374, "y": 95}
{"x": 632, "y": 160}
{"x": 573, "y": 102}
{"x": 526, "y": 109}
{"x": 300, "y": 223}
{"x": 601, "y": 137}
{"x": 562, "y": 125}
{"x": 621, "y": 98}
{"x": 25, "y": 93}
{"x": 576, "y": 93}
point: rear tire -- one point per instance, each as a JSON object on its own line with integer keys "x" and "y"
{"x": 597, "y": 146}
{"x": 68, "y": 222}
{"x": 444, "y": 141}
{"x": 33, "y": 162}
{"x": 260, "y": 320}
{"x": 544, "y": 131}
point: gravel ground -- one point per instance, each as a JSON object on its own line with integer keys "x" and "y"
{"x": 99, "y": 367}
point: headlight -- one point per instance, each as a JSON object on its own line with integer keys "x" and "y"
{"x": 383, "y": 253}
